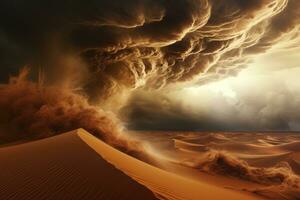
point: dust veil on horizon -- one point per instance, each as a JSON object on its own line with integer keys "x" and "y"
{"x": 117, "y": 54}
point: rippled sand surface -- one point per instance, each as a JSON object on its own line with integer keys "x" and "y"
{"x": 265, "y": 164}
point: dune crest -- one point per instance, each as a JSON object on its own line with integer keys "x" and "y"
{"x": 266, "y": 164}
{"x": 77, "y": 165}
{"x": 164, "y": 184}
{"x": 63, "y": 167}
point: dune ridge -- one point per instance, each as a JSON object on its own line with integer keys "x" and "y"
{"x": 164, "y": 184}
{"x": 77, "y": 165}
{"x": 266, "y": 164}
{"x": 63, "y": 167}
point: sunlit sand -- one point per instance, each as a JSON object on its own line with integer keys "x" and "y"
{"x": 77, "y": 165}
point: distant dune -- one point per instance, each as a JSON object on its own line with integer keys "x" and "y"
{"x": 267, "y": 164}
{"x": 76, "y": 165}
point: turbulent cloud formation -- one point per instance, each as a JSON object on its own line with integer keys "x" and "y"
{"x": 127, "y": 44}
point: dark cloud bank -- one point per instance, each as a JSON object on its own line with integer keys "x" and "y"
{"x": 140, "y": 42}
{"x": 97, "y": 49}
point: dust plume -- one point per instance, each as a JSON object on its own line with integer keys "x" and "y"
{"x": 31, "y": 110}
{"x": 278, "y": 179}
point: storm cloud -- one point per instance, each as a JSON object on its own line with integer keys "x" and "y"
{"x": 141, "y": 43}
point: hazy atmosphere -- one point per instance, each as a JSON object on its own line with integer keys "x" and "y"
{"x": 150, "y": 99}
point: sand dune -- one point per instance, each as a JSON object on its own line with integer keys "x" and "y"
{"x": 63, "y": 167}
{"x": 267, "y": 164}
{"x": 237, "y": 148}
{"x": 77, "y": 165}
{"x": 183, "y": 145}
{"x": 208, "y": 138}
{"x": 166, "y": 185}
{"x": 293, "y": 146}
